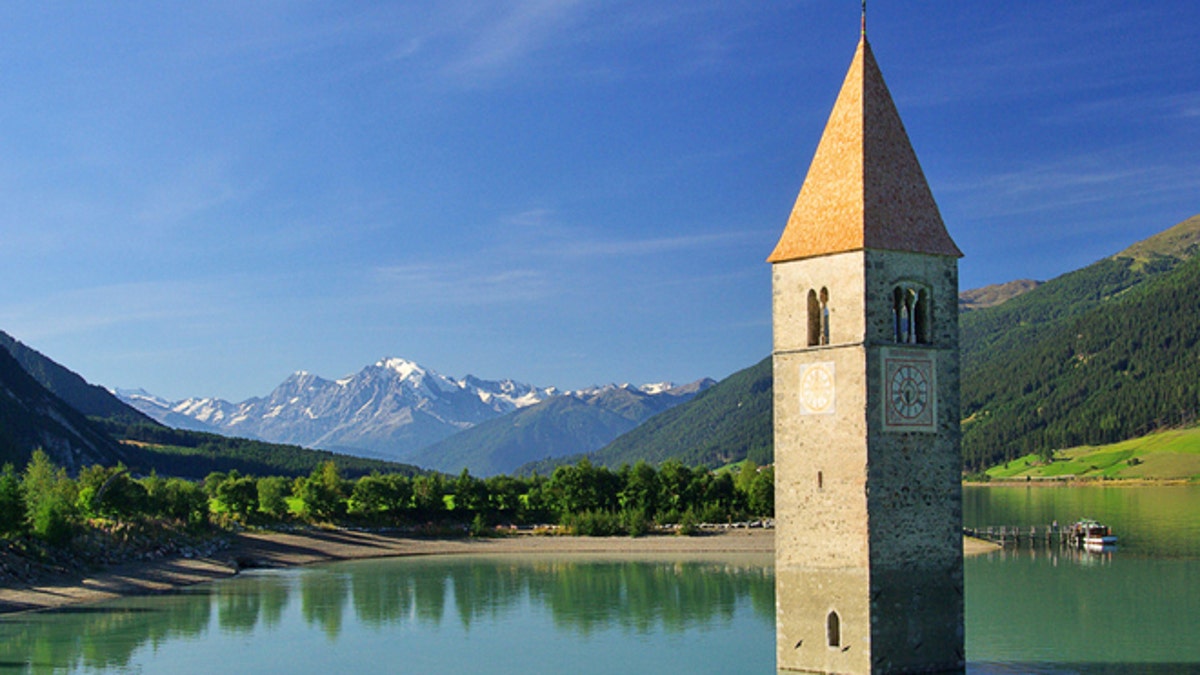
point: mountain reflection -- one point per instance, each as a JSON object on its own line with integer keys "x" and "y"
{"x": 581, "y": 595}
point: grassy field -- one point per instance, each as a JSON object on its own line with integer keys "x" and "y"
{"x": 1167, "y": 455}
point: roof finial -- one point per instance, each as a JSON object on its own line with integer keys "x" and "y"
{"x": 864, "y": 19}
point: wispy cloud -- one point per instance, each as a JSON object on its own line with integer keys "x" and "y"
{"x": 1130, "y": 109}
{"x": 539, "y": 232}
{"x": 486, "y": 43}
{"x": 1065, "y": 183}
{"x": 533, "y": 256}
{"x": 512, "y": 34}
{"x": 643, "y": 247}
{"x": 86, "y": 310}
{"x": 194, "y": 188}
{"x": 457, "y": 284}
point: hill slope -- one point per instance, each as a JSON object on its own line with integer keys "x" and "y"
{"x": 89, "y": 399}
{"x": 1165, "y": 455}
{"x": 1112, "y": 367}
{"x": 1023, "y": 320}
{"x": 32, "y": 417}
{"x": 996, "y": 294}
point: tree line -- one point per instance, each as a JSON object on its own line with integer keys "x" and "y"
{"x": 47, "y": 503}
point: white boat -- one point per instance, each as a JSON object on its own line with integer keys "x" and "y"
{"x": 1093, "y": 536}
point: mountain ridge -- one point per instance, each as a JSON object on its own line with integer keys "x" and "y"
{"x": 727, "y": 422}
{"x": 994, "y": 294}
{"x": 38, "y": 399}
{"x": 569, "y": 424}
{"x": 393, "y": 409}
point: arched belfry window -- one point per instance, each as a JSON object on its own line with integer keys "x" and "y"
{"x": 921, "y": 317}
{"x": 911, "y": 316}
{"x": 833, "y": 630}
{"x": 818, "y": 317}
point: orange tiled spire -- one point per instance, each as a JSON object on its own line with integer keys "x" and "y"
{"x": 865, "y": 188}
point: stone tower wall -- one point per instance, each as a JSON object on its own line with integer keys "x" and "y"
{"x": 868, "y": 519}
{"x": 821, "y": 536}
{"x": 914, "y": 483}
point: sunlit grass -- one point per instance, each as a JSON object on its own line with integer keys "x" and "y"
{"x": 1166, "y": 455}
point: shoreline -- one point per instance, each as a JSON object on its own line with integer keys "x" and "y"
{"x": 1082, "y": 482}
{"x": 269, "y": 549}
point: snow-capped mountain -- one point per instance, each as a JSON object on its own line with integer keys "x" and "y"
{"x": 391, "y": 409}
{"x": 162, "y": 410}
{"x": 569, "y": 424}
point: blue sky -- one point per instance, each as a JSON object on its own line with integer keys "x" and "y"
{"x": 201, "y": 198}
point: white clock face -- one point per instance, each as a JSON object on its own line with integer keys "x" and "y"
{"x": 909, "y": 391}
{"x": 817, "y": 388}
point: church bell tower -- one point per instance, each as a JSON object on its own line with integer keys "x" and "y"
{"x": 868, "y": 501}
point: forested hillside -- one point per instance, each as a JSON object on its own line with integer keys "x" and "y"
{"x": 1118, "y": 362}
{"x": 194, "y": 454}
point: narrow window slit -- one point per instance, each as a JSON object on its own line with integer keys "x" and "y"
{"x": 833, "y": 629}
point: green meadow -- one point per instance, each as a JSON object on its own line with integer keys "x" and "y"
{"x": 1167, "y": 455}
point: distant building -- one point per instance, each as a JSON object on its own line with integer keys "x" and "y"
{"x": 868, "y": 560}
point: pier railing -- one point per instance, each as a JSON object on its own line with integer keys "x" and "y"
{"x": 1034, "y": 535}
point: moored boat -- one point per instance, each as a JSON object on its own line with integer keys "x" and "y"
{"x": 1092, "y": 535}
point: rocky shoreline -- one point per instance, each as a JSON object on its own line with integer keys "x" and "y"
{"x": 27, "y": 560}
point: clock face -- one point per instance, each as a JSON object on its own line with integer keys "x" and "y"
{"x": 909, "y": 391}
{"x": 817, "y": 388}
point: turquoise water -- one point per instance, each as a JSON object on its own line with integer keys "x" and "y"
{"x": 1160, "y": 522}
{"x": 1133, "y": 610}
{"x": 428, "y": 615}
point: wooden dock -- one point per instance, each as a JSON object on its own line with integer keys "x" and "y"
{"x": 1012, "y": 535}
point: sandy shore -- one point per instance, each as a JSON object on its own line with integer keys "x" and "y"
{"x": 280, "y": 549}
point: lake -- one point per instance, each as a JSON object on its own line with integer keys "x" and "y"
{"x": 1135, "y": 609}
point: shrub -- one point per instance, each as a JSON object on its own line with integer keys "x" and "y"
{"x": 479, "y": 526}
{"x": 238, "y": 494}
{"x": 635, "y": 522}
{"x": 688, "y": 525}
{"x": 595, "y": 523}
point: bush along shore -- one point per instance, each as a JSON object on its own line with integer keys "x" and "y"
{"x": 53, "y": 524}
